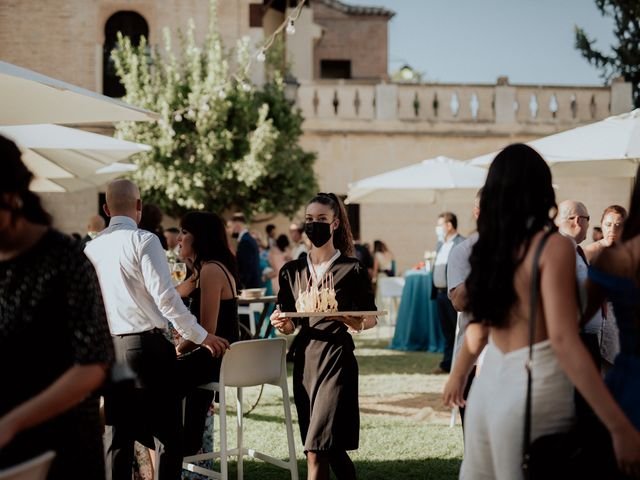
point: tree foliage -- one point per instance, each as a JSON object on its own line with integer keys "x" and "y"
{"x": 625, "y": 57}
{"x": 220, "y": 143}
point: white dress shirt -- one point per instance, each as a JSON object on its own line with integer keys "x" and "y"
{"x": 136, "y": 284}
{"x": 440, "y": 266}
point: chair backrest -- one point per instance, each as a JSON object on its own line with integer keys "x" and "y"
{"x": 390, "y": 286}
{"x": 253, "y": 362}
{"x": 34, "y": 469}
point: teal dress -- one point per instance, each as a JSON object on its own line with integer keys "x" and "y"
{"x": 624, "y": 378}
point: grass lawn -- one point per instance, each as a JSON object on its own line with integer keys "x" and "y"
{"x": 404, "y": 431}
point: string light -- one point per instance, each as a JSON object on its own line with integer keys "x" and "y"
{"x": 288, "y": 25}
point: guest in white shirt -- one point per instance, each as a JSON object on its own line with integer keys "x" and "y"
{"x": 447, "y": 233}
{"x": 139, "y": 298}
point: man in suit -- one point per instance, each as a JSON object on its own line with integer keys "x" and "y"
{"x": 448, "y": 237}
{"x": 247, "y": 253}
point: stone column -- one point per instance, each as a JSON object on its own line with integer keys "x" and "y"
{"x": 504, "y": 101}
{"x": 621, "y": 96}
{"x": 386, "y": 101}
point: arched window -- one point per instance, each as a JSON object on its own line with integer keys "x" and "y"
{"x": 132, "y": 25}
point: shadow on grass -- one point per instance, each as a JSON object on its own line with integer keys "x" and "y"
{"x": 406, "y": 363}
{"x": 425, "y": 469}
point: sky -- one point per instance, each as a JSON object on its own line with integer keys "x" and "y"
{"x": 469, "y": 41}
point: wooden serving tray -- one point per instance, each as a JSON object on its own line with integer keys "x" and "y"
{"x": 378, "y": 313}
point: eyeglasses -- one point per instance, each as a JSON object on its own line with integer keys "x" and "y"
{"x": 579, "y": 217}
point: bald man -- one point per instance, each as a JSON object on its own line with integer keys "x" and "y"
{"x": 95, "y": 225}
{"x": 573, "y": 222}
{"x": 140, "y": 298}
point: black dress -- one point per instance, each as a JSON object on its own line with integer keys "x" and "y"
{"x": 325, "y": 372}
{"x": 199, "y": 366}
{"x": 51, "y": 318}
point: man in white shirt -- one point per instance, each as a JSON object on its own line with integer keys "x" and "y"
{"x": 139, "y": 298}
{"x": 573, "y": 222}
{"x": 447, "y": 233}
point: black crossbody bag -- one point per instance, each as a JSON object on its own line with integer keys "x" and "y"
{"x": 585, "y": 451}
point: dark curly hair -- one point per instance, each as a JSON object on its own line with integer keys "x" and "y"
{"x": 209, "y": 240}
{"x": 515, "y": 205}
{"x": 342, "y": 237}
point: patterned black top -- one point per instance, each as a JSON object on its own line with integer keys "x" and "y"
{"x": 51, "y": 318}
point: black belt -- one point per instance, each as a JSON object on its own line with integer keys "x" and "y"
{"x": 146, "y": 332}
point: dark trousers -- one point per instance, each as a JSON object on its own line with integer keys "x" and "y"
{"x": 150, "y": 413}
{"x": 448, "y": 318}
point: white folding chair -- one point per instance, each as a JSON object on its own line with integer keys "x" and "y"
{"x": 246, "y": 364}
{"x": 34, "y": 469}
{"x": 390, "y": 292}
{"x": 250, "y": 310}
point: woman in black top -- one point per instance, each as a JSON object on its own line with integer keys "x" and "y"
{"x": 211, "y": 295}
{"x": 55, "y": 345}
{"x": 325, "y": 375}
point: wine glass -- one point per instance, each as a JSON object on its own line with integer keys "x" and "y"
{"x": 179, "y": 272}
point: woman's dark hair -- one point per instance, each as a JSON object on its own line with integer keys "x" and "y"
{"x": 379, "y": 246}
{"x": 15, "y": 180}
{"x": 282, "y": 242}
{"x": 209, "y": 240}
{"x": 632, "y": 221}
{"x": 515, "y": 205}
{"x": 342, "y": 237}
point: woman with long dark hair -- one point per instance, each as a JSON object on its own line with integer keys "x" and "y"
{"x": 515, "y": 215}
{"x": 615, "y": 275}
{"x": 325, "y": 372}
{"x": 210, "y": 293}
{"x": 55, "y": 345}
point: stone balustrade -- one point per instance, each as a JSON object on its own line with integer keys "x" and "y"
{"x": 462, "y": 103}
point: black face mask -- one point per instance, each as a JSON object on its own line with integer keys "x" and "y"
{"x": 318, "y": 232}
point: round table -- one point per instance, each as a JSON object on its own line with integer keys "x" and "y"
{"x": 417, "y": 326}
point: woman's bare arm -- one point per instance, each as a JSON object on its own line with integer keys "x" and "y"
{"x": 68, "y": 390}
{"x": 560, "y": 312}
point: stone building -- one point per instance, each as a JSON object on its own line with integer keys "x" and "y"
{"x": 357, "y": 122}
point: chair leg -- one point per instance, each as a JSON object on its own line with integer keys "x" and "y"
{"x": 224, "y": 474}
{"x": 239, "y": 423}
{"x": 293, "y": 462}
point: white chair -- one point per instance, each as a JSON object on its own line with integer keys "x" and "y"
{"x": 390, "y": 291}
{"x": 246, "y": 364}
{"x": 34, "y": 469}
{"x": 250, "y": 310}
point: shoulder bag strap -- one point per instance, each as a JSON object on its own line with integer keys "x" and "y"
{"x": 533, "y": 304}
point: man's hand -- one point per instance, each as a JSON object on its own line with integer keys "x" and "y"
{"x": 216, "y": 345}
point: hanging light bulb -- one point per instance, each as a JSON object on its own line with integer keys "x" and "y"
{"x": 261, "y": 57}
{"x": 178, "y": 117}
{"x": 291, "y": 29}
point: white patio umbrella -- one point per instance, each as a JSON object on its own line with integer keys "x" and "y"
{"x": 608, "y": 148}
{"x": 436, "y": 179}
{"x": 68, "y": 159}
{"x": 28, "y": 97}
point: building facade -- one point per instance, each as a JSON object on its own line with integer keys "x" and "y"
{"x": 358, "y": 122}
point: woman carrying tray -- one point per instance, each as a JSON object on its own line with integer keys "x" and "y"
{"x": 325, "y": 373}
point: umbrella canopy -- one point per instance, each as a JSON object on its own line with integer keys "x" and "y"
{"x": 67, "y": 159}
{"x": 436, "y": 179}
{"x": 608, "y": 148}
{"x": 28, "y": 97}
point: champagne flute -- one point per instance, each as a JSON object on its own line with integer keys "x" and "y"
{"x": 179, "y": 272}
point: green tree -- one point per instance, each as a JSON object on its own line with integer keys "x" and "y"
{"x": 220, "y": 143}
{"x": 625, "y": 57}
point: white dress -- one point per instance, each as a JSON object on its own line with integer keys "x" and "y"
{"x": 494, "y": 419}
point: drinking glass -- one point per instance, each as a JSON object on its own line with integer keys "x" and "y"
{"x": 179, "y": 272}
